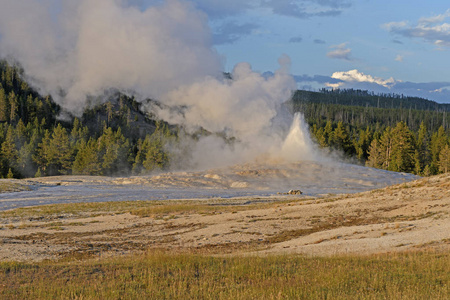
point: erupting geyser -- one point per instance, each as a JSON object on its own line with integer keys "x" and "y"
{"x": 298, "y": 145}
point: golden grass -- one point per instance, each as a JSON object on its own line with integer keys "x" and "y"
{"x": 7, "y": 185}
{"x": 139, "y": 208}
{"x": 162, "y": 275}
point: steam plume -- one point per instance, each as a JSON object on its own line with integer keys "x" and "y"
{"x": 72, "y": 49}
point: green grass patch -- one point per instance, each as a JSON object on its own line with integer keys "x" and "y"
{"x": 161, "y": 275}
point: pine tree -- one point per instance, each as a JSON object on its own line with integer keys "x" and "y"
{"x": 444, "y": 159}
{"x": 362, "y": 145}
{"x": 376, "y": 154}
{"x": 438, "y": 142}
{"x": 9, "y": 151}
{"x": 87, "y": 160}
{"x": 318, "y": 133}
{"x": 13, "y": 106}
{"x": 114, "y": 151}
{"x": 423, "y": 157}
{"x": 328, "y": 133}
{"x": 341, "y": 139}
{"x": 55, "y": 153}
{"x": 386, "y": 147}
{"x": 402, "y": 154}
{"x": 4, "y": 106}
{"x": 38, "y": 173}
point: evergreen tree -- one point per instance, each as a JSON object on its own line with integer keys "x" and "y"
{"x": 444, "y": 159}
{"x": 438, "y": 142}
{"x": 341, "y": 140}
{"x": 114, "y": 151}
{"x": 155, "y": 157}
{"x": 55, "y": 152}
{"x": 423, "y": 157}
{"x": 13, "y": 106}
{"x": 87, "y": 160}
{"x": 377, "y": 155}
{"x": 4, "y": 106}
{"x": 362, "y": 145}
{"x": 402, "y": 155}
{"x": 319, "y": 136}
{"x": 328, "y": 133}
{"x": 9, "y": 151}
{"x": 386, "y": 146}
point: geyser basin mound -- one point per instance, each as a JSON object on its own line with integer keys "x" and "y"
{"x": 313, "y": 178}
{"x": 246, "y": 180}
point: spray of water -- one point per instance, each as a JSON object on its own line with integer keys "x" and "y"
{"x": 298, "y": 145}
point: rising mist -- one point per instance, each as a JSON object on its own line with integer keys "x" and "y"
{"x": 75, "y": 49}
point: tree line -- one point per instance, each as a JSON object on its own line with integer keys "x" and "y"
{"x": 111, "y": 138}
{"x": 117, "y": 137}
{"x": 396, "y": 139}
{"x": 356, "y": 97}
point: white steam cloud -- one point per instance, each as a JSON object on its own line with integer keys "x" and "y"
{"x": 72, "y": 49}
{"x": 84, "y": 47}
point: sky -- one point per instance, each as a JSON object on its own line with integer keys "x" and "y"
{"x": 386, "y": 46}
{"x": 400, "y": 46}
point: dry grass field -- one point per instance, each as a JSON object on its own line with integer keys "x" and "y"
{"x": 389, "y": 243}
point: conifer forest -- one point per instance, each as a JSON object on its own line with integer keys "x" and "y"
{"x": 386, "y": 131}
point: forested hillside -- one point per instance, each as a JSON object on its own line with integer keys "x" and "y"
{"x": 367, "y": 99}
{"x": 391, "y": 132}
{"x": 110, "y": 138}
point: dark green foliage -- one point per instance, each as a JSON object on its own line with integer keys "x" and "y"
{"x": 151, "y": 154}
{"x": 391, "y": 132}
{"x": 351, "y": 97}
{"x": 87, "y": 161}
{"x": 105, "y": 141}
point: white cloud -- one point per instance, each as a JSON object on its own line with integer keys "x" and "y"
{"x": 435, "y": 19}
{"x": 357, "y": 76}
{"x": 399, "y": 58}
{"x": 432, "y": 29}
{"x": 340, "y": 52}
{"x": 394, "y": 25}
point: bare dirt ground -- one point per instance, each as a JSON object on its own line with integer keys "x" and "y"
{"x": 403, "y": 217}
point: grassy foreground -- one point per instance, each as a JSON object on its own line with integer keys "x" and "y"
{"x": 160, "y": 275}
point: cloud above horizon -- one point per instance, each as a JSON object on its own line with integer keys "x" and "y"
{"x": 340, "y": 51}
{"x": 436, "y": 91}
{"x": 433, "y": 30}
{"x": 357, "y": 76}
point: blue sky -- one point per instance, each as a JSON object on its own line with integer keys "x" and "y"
{"x": 394, "y": 46}
{"x": 388, "y": 46}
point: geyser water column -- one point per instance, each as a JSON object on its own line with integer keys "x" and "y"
{"x": 298, "y": 144}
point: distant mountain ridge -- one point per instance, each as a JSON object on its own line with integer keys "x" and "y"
{"x": 352, "y": 97}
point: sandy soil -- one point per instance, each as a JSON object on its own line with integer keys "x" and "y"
{"x": 403, "y": 217}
